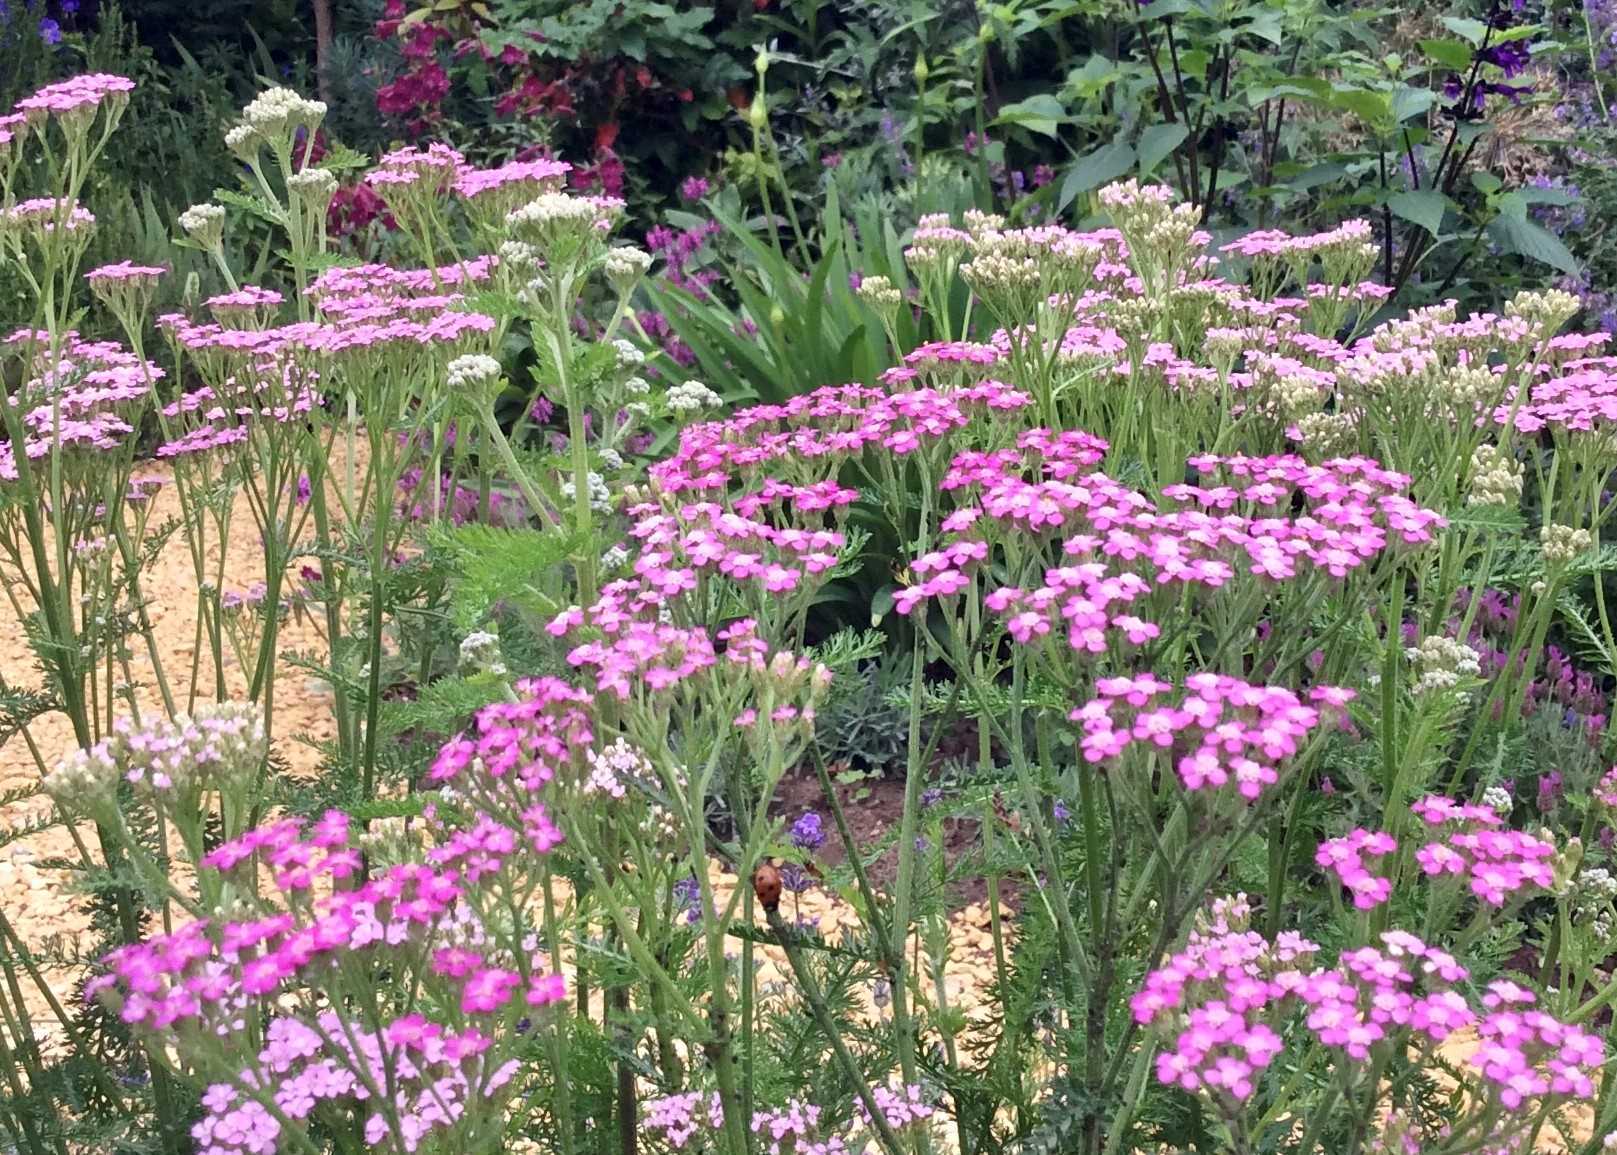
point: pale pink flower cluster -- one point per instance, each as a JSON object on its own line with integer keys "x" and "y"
{"x": 47, "y": 213}
{"x": 1222, "y": 729}
{"x": 1605, "y": 791}
{"x": 76, "y": 92}
{"x": 125, "y": 271}
{"x": 529, "y": 176}
{"x": 428, "y": 1073}
{"x": 87, "y": 400}
{"x": 1351, "y": 859}
{"x": 1497, "y": 863}
{"x": 822, "y": 429}
{"x": 1217, "y": 998}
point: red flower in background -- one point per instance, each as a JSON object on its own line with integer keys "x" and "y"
{"x": 606, "y": 174}
{"x": 354, "y": 207}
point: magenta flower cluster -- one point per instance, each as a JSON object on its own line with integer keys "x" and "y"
{"x": 1215, "y": 1002}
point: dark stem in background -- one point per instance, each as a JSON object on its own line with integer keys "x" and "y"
{"x": 1165, "y": 103}
{"x": 1386, "y": 218}
{"x": 1184, "y": 113}
{"x": 1446, "y": 174}
{"x": 322, "y": 48}
{"x": 1218, "y": 134}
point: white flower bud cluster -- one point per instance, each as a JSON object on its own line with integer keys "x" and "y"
{"x": 999, "y": 276}
{"x": 1466, "y": 389}
{"x": 936, "y": 242}
{"x": 313, "y": 186}
{"x": 276, "y": 109}
{"x": 1443, "y": 663}
{"x": 519, "y": 255}
{"x": 1328, "y": 435}
{"x": 691, "y": 397}
{"x": 1497, "y": 798}
{"x": 979, "y": 223}
{"x": 1549, "y": 308}
{"x": 85, "y": 782}
{"x": 627, "y": 354}
{"x": 880, "y": 293}
{"x": 1596, "y": 888}
{"x": 600, "y": 495}
{"x": 622, "y": 768}
{"x": 1496, "y": 478}
{"x": 1295, "y": 395}
{"x": 480, "y": 654}
{"x": 625, "y": 265}
{"x": 204, "y": 224}
{"x": 1563, "y": 544}
{"x": 614, "y": 558}
{"x": 636, "y": 386}
{"x": 473, "y": 371}
{"x": 559, "y": 224}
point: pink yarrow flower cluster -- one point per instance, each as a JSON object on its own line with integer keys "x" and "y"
{"x": 1352, "y": 859}
{"x": 1216, "y": 1001}
{"x": 1496, "y": 863}
{"x": 1222, "y": 730}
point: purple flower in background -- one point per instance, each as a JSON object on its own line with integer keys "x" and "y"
{"x": 808, "y": 832}
{"x": 70, "y": 7}
{"x": 1043, "y": 174}
{"x": 1549, "y": 791}
{"x": 688, "y": 897}
{"x": 305, "y": 489}
{"x": 694, "y": 188}
{"x": 1511, "y": 57}
{"x": 831, "y": 160}
{"x": 50, "y": 31}
{"x": 1059, "y": 812}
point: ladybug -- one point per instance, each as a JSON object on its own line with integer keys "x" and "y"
{"x": 766, "y": 884}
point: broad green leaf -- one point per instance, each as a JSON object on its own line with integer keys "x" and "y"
{"x": 1520, "y": 32}
{"x": 1449, "y": 53}
{"x": 1374, "y": 108}
{"x": 1546, "y": 196}
{"x": 1159, "y": 9}
{"x": 1408, "y": 102}
{"x": 1093, "y": 169}
{"x": 1424, "y": 207}
{"x": 1473, "y": 31}
{"x": 1041, "y": 114}
{"x": 1266, "y": 26}
{"x": 1517, "y": 234}
{"x": 1157, "y": 142}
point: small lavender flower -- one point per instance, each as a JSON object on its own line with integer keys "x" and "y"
{"x": 808, "y": 832}
{"x": 688, "y": 898}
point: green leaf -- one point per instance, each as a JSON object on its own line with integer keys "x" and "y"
{"x": 1266, "y": 26}
{"x": 1517, "y": 234}
{"x": 1163, "y": 8}
{"x": 1093, "y": 169}
{"x": 1547, "y": 196}
{"x": 1474, "y": 31}
{"x": 1373, "y": 108}
{"x": 1448, "y": 53}
{"x": 1408, "y": 102}
{"x": 1157, "y": 142}
{"x": 1041, "y": 114}
{"x": 1424, "y": 207}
